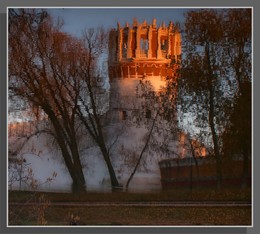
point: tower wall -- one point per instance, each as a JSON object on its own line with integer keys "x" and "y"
{"x": 141, "y": 53}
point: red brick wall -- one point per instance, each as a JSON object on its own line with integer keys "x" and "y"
{"x": 204, "y": 175}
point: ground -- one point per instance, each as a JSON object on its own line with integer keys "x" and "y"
{"x": 28, "y": 208}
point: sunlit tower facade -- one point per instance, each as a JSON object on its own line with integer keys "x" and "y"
{"x": 141, "y": 55}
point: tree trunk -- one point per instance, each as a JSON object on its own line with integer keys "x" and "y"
{"x": 215, "y": 139}
{"x": 211, "y": 117}
{"x": 216, "y": 151}
{"x": 195, "y": 160}
{"x": 74, "y": 168}
{"x": 244, "y": 183}
{"x": 78, "y": 183}
{"x": 191, "y": 175}
{"x": 142, "y": 152}
{"x": 114, "y": 182}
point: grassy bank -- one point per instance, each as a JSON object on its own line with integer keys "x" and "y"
{"x": 99, "y": 216}
{"x": 168, "y": 195}
{"x": 44, "y": 213}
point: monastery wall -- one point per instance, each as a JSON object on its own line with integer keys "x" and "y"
{"x": 177, "y": 173}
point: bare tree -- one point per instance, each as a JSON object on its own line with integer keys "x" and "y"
{"x": 93, "y": 107}
{"x": 42, "y": 63}
{"x": 201, "y": 74}
{"x": 238, "y": 46}
{"x": 61, "y": 75}
{"x": 216, "y": 73}
{"x": 140, "y": 157}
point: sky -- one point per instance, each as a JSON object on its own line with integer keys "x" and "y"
{"x": 78, "y": 19}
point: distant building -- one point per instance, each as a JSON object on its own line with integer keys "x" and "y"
{"x": 143, "y": 50}
{"x": 141, "y": 54}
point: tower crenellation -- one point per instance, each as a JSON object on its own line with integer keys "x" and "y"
{"x": 142, "y": 51}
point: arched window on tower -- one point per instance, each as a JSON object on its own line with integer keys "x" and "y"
{"x": 124, "y": 51}
{"x": 164, "y": 46}
{"x": 123, "y": 115}
{"x": 143, "y": 47}
{"x": 124, "y": 43}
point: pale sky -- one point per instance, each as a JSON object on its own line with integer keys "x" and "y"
{"x": 77, "y": 19}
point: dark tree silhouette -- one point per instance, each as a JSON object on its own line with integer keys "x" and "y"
{"x": 201, "y": 90}
{"x": 94, "y": 106}
{"x": 216, "y": 79}
{"x": 59, "y": 74}
{"x": 41, "y": 62}
{"x": 237, "y": 137}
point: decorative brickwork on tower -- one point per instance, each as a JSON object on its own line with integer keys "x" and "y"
{"x": 143, "y": 50}
{"x": 141, "y": 54}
